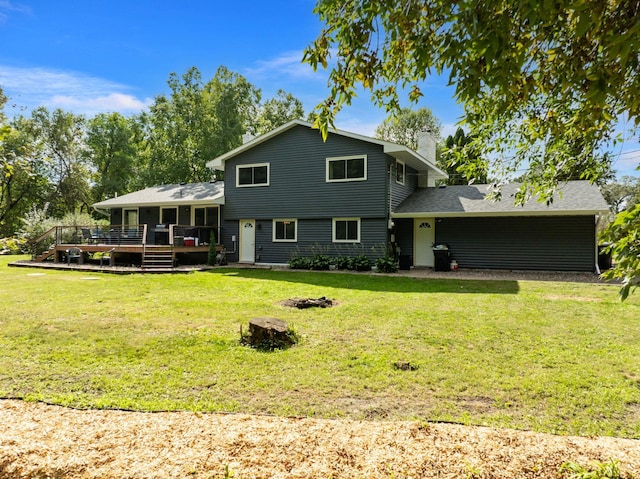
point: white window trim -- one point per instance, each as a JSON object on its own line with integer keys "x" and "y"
{"x": 333, "y": 230}
{"x": 345, "y": 158}
{"x": 252, "y": 165}
{"x": 404, "y": 171}
{"x": 273, "y": 235}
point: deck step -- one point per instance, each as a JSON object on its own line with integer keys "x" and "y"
{"x": 45, "y": 255}
{"x": 157, "y": 259}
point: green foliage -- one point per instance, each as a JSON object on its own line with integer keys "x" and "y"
{"x": 277, "y": 111}
{"x": 319, "y": 262}
{"x": 58, "y": 139}
{"x": 387, "y": 264}
{"x": 360, "y": 263}
{"x": 597, "y": 470}
{"x": 462, "y": 160}
{"x": 112, "y": 148}
{"x": 622, "y": 194}
{"x": 36, "y": 222}
{"x": 623, "y": 234}
{"x": 196, "y": 123}
{"x": 300, "y": 262}
{"x": 541, "y": 75}
{"x": 342, "y": 262}
{"x": 405, "y": 127}
{"x": 11, "y": 245}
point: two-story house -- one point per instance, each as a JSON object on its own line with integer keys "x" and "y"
{"x": 289, "y": 192}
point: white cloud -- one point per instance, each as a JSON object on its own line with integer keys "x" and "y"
{"x": 28, "y": 88}
{"x": 288, "y": 64}
{"x": 7, "y": 6}
{"x": 112, "y": 102}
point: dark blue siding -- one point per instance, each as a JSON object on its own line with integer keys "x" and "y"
{"x": 298, "y": 189}
{"x": 552, "y": 243}
{"x": 314, "y": 237}
{"x": 399, "y": 192}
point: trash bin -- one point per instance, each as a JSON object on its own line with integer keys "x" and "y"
{"x": 405, "y": 262}
{"x": 604, "y": 257}
{"x": 442, "y": 258}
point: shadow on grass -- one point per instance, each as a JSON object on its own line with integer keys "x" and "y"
{"x": 372, "y": 282}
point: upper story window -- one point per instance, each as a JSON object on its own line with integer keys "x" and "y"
{"x": 400, "y": 172}
{"x": 347, "y": 168}
{"x": 252, "y": 175}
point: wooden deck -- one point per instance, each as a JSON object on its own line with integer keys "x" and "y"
{"x": 147, "y": 256}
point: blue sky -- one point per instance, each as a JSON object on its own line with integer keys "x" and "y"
{"x": 95, "y": 56}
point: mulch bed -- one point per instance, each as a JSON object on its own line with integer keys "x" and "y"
{"x": 39, "y": 440}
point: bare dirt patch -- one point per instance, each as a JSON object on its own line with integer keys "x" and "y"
{"x": 38, "y": 440}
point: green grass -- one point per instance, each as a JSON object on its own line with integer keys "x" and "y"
{"x": 554, "y": 357}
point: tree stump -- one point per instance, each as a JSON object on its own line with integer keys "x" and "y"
{"x": 269, "y": 332}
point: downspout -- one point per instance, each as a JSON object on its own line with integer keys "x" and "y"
{"x": 597, "y": 255}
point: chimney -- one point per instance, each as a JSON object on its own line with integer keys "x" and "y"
{"x": 427, "y": 146}
{"x": 247, "y": 137}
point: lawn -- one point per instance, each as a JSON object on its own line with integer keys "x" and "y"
{"x": 552, "y": 357}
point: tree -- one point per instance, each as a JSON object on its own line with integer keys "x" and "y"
{"x": 197, "y": 122}
{"x": 537, "y": 74}
{"x": 462, "y": 161}
{"x": 622, "y": 194}
{"x": 24, "y": 183}
{"x": 535, "y": 78}
{"x": 405, "y": 127}
{"x": 111, "y": 149}
{"x": 59, "y": 142}
{"x": 277, "y": 111}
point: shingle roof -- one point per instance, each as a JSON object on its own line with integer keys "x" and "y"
{"x": 178, "y": 194}
{"x": 574, "y": 197}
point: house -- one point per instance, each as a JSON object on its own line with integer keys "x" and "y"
{"x": 289, "y": 192}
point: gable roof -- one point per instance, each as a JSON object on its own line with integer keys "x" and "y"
{"x": 161, "y": 195}
{"x": 572, "y": 197}
{"x": 400, "y": 152}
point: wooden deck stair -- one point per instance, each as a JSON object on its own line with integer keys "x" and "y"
{"x": 45, "y": 255}
{"x": 157, "y": 258}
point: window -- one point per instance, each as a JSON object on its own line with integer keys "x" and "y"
{"x": 130, "y": 217}
{"x": 346, "y": 230}
{"x": 285, "y": 230}
{"x": 252, "y": 175}
{"x": 400, "y": 172}
{"x": 347, "y": 168}
{"x": 169, "y": 216}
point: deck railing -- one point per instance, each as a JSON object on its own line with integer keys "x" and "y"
{"x": 187, "y": 235}
{"x": 111, "y": 235}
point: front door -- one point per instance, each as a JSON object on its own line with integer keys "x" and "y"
{"x": 247, "y": 241}
{"x": 425, "y": 234}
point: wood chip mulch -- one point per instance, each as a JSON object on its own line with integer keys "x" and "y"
{"x": 43, "y": 441}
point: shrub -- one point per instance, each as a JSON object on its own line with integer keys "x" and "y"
{"x": 342, "y": 262}
{"x": 319, "y": 262}
{"x": 386, "y": 264}
{"x": 361, "y": 263}
{"x": 299, "y": 262}
{"x": 11, "y": 245}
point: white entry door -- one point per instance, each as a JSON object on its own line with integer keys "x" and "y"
{"x": 424, "y": 234}
{"x": 247, "y": 241}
